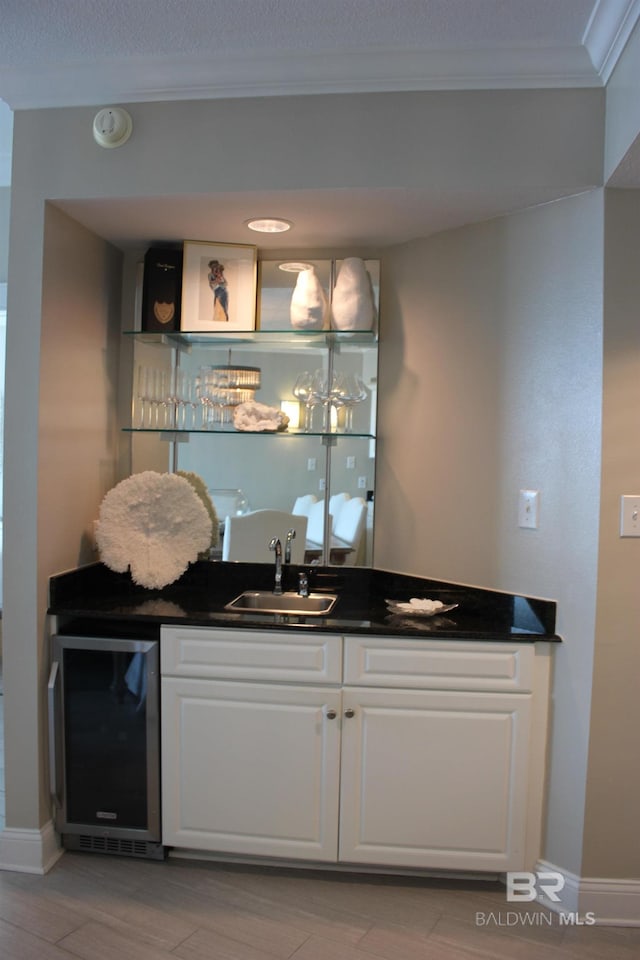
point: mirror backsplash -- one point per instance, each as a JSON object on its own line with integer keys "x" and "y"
{"x": 277, "y": 471}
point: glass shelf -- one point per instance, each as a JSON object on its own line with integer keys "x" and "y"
{"x": 232, "y": 432}
{"x": 264, "y": 338}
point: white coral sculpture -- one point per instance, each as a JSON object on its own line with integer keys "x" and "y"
{"x": 154, "y": 524}
{"x": 200, "y": 488}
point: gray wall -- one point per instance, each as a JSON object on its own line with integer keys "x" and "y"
{"x": 623, "y": 107}
{"x": 551, "y": 386}
{"x": 491, "y": 382}
{"x": 439, "y": 406}
{"x": 610, "y": 842}
{"x": 6, "y": 140}
{"x": 55, "y": 502}
{"x": 546, "y": 138}
{"x": 5, "y": 204}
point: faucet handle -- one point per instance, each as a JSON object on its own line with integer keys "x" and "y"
{"x": 303, "y": 584}
{"x": 291, "y": 535}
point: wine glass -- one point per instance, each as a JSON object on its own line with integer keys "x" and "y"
{"x": 206, "y": 378}
{"x": 158, "y": 397}
{"x": 302, "y": 392}
{"x": 352, "y": 391}
{"x": 144, "y": 390}
{"x": 170, "y": 400}
{"x": 320, "y": 395}
{"x": 182, "y": 383}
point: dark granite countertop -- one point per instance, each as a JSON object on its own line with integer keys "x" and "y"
{"x": 95, "y": 599}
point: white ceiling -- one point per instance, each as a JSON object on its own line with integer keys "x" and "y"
{"x": 101, "y": 52}
{"x": 72, "y": 52}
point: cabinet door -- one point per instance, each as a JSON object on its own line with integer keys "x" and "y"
{"x": 250, "y": 768}
{"x": 434, "y": 779}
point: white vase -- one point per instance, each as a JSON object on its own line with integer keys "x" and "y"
{"x": 309, "y": 305}
{"x": 352, "y": 305}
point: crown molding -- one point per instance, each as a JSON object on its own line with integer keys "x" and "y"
{"x": 610, "y": 26}
{"x": 134, "y": 80}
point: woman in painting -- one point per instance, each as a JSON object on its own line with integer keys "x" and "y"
{"x": 218, "y": 285}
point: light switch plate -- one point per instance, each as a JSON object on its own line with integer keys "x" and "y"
{"x": 630, "y": 515}
{"x": 528, "y": 506}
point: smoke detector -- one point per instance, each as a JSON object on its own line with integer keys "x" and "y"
{"x": 112, "y": 127}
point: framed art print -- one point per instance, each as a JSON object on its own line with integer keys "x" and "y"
{"x": 218, "y": 287}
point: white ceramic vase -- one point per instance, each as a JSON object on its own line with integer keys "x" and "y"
{"x": 352, "y": 306}
{"x": 309, "y": 305}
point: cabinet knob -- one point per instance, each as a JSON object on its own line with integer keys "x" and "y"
{"x": 349, "y": 712}
{"x": 330, "y": 714}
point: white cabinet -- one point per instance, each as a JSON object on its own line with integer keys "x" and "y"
{"x": 413, "y": 753}
{"x": 443, "y": 758}
{"x": 434, "y": 778}
{"x": 251, "y": 767}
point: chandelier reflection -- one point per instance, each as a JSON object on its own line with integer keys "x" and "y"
{"x": 223, "y": 387}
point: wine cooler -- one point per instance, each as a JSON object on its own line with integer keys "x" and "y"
{"x": 104, "y": 744}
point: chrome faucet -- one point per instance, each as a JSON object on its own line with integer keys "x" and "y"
{"x": 276, "y": 546}
{"x": 291, "y": 535}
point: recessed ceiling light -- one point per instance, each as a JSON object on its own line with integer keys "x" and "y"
{"x": 294, "y": 266}
{"x": 269, "y": 224}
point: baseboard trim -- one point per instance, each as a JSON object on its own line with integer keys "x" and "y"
{"x": 29, "y": 851}
{"x": 614, "y": 903}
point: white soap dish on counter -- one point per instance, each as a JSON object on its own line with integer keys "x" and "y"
{"x": 417, "y": 607}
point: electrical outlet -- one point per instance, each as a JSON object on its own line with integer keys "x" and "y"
{"x": 351, "y": 463}
{"x": 322, "y": 483}
{"x": 311, "y": 463}
{"x": 362, "y": 483}
{"x": 630, "y": 515}
{"x": 528, "y": 509}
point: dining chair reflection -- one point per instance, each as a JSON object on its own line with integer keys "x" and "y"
{"x": 247, "y": 537}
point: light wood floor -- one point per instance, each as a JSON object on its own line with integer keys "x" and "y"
{"x": 111, "y": 908}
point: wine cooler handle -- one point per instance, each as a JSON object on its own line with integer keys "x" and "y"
{"x": 54, "y": 678}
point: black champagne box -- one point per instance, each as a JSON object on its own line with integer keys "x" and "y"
{"x": 161, "y": 290}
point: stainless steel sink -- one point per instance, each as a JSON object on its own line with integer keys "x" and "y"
{"x": 263, "y": 601}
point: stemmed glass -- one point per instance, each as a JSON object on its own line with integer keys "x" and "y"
{"x": 207, "y": 396}
{"x": 189, "y": 399}
{"x": 158, "y": 397}
{"x": 351, "y": 391}
{"x": 303, "y": 393}
{"x": 170, "y": 400}
{"x": 176, "y": 398}
{"x": 144, "y": 391}
{"x": 320, "y": 396}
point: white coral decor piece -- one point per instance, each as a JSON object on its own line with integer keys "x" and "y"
{"x": 256, "y": 417}
{"x": 153, "y": 523}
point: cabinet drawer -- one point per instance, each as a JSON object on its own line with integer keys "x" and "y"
{"x": 251, "y": 655}
{"x": 439, "y": 665}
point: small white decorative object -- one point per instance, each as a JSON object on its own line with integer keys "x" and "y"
{"x": 154, "y": 524}
{"x": 419, "y": 607}
{"x": 352, "y": 306}
{"x": 309, "y": 305}
{"x": 255, "y": 417}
